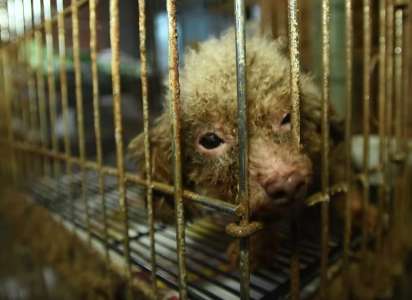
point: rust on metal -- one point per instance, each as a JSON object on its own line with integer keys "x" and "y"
{"x": 175, "y": 111}
{"x": 97, "y": 120}
{"x": 294, "y": 78}
{"x": 325, "y": 146}
{"x": 31, "y": 84}
{"x": 243, "y": 231}
{"x": 79, "y": 109}
{"x": 389, "y": 82}
{"x": 348, "y": 134}
{"x": 294, "y": 69}
{"x": 381, "y": 127}
{"x": 398, "y": 156}
{"x": 51, "y": 84}
{"x": 147, "y": 155}
{"x": 118, "y": 129}
{"x": 8, "y": 112}
{"x": 61, "y": 32}
{"x": 41, "y": 95}
{"x": 337, "y": 188}
{"x": 366, "y": 78}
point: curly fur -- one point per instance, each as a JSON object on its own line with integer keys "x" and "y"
{"x": 208, "y": 95}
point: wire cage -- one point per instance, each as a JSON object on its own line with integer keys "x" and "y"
{"x": 101, "y": 199}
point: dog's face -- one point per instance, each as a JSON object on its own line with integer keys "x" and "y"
{"x": 279, "y": 174}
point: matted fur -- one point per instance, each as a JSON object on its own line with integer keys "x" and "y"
{"x": 209, "y": 103}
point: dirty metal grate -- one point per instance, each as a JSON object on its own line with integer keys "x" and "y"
{"x": 205, "y": 240}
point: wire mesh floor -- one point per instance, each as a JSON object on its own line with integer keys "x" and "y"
{"x": 206, "y": 242}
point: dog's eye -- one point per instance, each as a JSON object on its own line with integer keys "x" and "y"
{"x": 285, "y": 124}
{"x": 285, "y": 120}
{"x": 210, "y": 140}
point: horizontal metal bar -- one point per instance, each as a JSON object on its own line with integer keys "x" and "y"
{"x": 320, "y": 197}
{"x": 214, "y": 203}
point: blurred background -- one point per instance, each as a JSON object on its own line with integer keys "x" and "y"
{"x": 197, "y": 21}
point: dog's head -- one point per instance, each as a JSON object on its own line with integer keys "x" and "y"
{"x": 280, "y": 174}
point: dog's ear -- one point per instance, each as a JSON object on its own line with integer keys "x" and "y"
{"x": 160, "y": 149}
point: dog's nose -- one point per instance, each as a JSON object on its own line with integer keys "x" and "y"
{"x": 292, "y": 186}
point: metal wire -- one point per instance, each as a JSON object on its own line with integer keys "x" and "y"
{"x": 97, "y": 119}
{"x": 348, "y": 135}
{"x": 398, "y": 66}
{"x": 406, "y": 109}
{"x": 325, "y": 146}
{"x": 243, "y": 194}
{"x": 31, "y": 84}
{"x": 79, "y": 108}
{"x": 295, "y": 101}
{"x": 148, "y": 158}
{"x": 398, "y": 205}
{"x": 8, "y": 113}
{"x": 382, "y": 125}
{"x": 61, "y": 31}
{"x": 174, "y": 110}
{"x": 367, "y": 40}
{"x": 389, "y": 96}
{"x": 42, "y": 100}
{"x": 115, "y": 45}
{"x": 51, "y": 80}
{"x": 22, "y": 112}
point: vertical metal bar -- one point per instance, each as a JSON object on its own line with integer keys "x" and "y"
{"x": 243, "y": 141}
{"x": 398, "y": 77}
{"x": 79, "y": 109}
{"x": 41, "y": 86}
{"x": 382, "y": 122}
{"x": 398, "y": 81}
{"x": 96, "y": 116}
{"x": 382, "y": 117}
{"x": 348, "y": 135}
{"x": 13, "y": 104}
{"x": 405, "y": 86}
{"x": 51, "y": 80}
{"x": 366, "y": 112}
{"x": 21, "y": 100}
{"x": 174, "y": 108}
{"x": 295, "y": 101}
{"x": 325, "y": 145}
{"x": 33, "y": 110}
{"x": 61, "y": 31}
{"x": 406, "y": 106}
{"x": 8, "y": 108}
{"x": 148, "y": 158}
{"x": 8, "y": 104}
{"x": 32, "y": 158}
{"x": 8, "y": 113}
{"x": 11, "y": 25}
{"x": 389, "y": 88}
{"x": 406, "y": 52}
{"x": 389, "y": 105}
{"x": 294, "y": 69}
{"x": 115, "y": 44}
